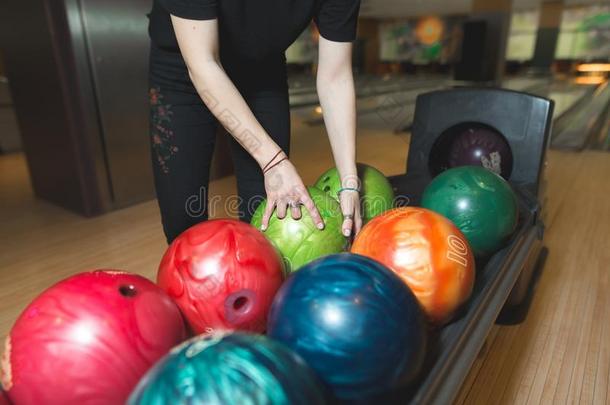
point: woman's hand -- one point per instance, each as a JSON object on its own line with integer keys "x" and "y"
{"x": 350, "y": 207}
{"x": 285, "y": 190}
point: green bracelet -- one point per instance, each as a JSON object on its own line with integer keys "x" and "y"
{"x": 342, "y": 189}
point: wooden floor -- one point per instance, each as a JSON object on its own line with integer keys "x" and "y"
{"x": 560, "y": 354}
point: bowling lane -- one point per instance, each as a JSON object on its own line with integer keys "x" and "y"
{"x": 583, "y": 124}
{"x": 389, "y": 110}
{"x": 394, "y": 110}
{"x": 389, "y": 102}
{"x": 526, "y": 84}
{"x": 302, "y": 84}
{"x": 602, "y": 141}
{"x": 396, "y": 113}
{"x": 578, "y": 110}
{"x": 565, "y": 93}
{"x": 303, "y": 90}
{"x": 567, "y": 96}
{"x": 382, "y": 103}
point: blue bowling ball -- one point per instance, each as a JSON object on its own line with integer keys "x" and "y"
{"x": 229, "y": 369}
{"x": 354, "y": 321}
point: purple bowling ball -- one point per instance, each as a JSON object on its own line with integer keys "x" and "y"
{"x": 481, "y": 146}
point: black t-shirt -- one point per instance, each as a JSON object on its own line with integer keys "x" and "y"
{"x": 257, "y": 29}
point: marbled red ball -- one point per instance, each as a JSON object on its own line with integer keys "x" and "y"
{"x": 89, "y": 339}
{"x": 223, "y": 274}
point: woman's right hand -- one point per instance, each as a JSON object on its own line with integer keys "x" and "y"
{"x": 286, "y": 191}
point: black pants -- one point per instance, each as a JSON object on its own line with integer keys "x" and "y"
{"x": 183, "y": 133}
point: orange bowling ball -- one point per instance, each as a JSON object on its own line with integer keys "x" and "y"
{"x": 427, "y": 251}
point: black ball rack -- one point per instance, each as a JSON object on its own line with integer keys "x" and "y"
{"x": 505, "y": 281}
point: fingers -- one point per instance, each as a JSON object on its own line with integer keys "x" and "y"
{"x": 358, "y": 222}
{"x": 351, "y": 222}
{"x": 295, "y": 210}
{"x": 267, "y": 214}
{"x": 281, "y": 209}
{"x": 348, "y": 224}
{"x": 352, "y": 219}
{"x": 313, "y": 210}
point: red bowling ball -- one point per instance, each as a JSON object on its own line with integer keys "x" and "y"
{"x": 3, "y": 398}
{"x": 223, "y": 274}
{"x": 88, "y": 340}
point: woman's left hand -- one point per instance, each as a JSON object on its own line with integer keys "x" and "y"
{"x": 350, "y": 207}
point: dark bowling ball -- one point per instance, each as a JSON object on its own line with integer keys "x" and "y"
{"x": 354, "y": 322}
{"x": 480, "y": 203}
{"x": 481, "y": 146}
{"x": 230, "y": 369}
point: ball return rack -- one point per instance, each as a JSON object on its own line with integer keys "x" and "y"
{"x": 505, "y": 281}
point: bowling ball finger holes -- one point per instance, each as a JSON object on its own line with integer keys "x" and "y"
{"x": 239, "y": 304}
{"x": 471, "y": 144}
{"x": 128, "y": 291}
{"x": 327, "y": 187}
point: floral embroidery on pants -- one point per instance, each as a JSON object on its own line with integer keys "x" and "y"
{"x": 162, "y": 136}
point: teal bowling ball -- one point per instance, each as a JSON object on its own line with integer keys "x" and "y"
{"x": 376, "y": 191}
{"x": 229, "y": 369}
{"x": 299, "y": 241}
{"x": 479, "y": 202}
{"x": 356, "y": 324}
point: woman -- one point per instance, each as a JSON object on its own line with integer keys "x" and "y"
{"x": 223, "y": 61}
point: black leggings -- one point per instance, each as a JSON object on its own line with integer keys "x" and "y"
{"x": 183, "y": 133}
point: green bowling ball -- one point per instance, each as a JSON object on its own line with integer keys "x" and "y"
{"x": 299, "y": 240}
{"x": 376, "y": 192}
{"x": 479, "y": 202}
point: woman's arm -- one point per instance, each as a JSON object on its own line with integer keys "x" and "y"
{"x": 335, "y": 84}
{"x": 198, "y": 41}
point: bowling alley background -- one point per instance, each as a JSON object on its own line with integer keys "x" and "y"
{"x": 480, "y": 274}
